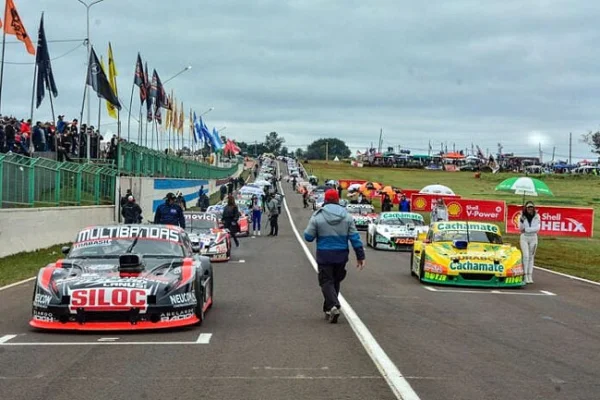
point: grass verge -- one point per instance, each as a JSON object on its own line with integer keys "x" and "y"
{"x": 574, "y": 256}
{"x": 27, "y": 264}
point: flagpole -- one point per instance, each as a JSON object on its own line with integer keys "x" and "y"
{"x": 140, "y": 128}
{"x": 81, "y": 116}
{"x": 3, "y": 49}
{"x": 130, "y": 106}
{"x": 31, "y": 114}
{"x": 146, "y": 139}
{"x": 99, "y": 115}
{"x": 153, "y": 129}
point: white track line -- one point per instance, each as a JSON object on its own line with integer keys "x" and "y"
{"x": 6, "y": 338}
{"x": 399, "y": 385}
{"x": 98, "y": 343}
{"x": 204, "y": 338}
{"x": 17, "y": 283}
{"x": 569, "y": 276}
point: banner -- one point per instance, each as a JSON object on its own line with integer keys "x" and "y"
{"x": 556, "y": 221}
{"x": 425, "y": 202}
{"x": 407, "y": 192}
{"x": 476, "y": 210}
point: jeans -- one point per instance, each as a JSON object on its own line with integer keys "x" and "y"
{"x": 274, "y": 225}
{"x": 256, "y": 217}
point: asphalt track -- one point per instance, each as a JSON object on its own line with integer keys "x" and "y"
{"x": 265, "y": 338}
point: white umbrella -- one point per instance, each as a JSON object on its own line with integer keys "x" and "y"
{"x": 262, "y": 183}
{"x": 252, "y": 190}
{"x": 354, "y": 187}
{"x": 331, "y": 182}
{"x": 437, "y": 189}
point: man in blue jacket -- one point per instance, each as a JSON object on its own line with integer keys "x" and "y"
{"x": 333, "y": 227}
{"x": 169, "y": 213}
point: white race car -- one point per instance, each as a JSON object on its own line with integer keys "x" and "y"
{"x": 395, "y": 230}
{"x": 362, "y": 214}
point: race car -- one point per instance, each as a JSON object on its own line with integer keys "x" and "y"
{"x": 207, "y": 236}
{"x": 363, "y": 215}
{"x": 319, "y": 201}
{"x": 395, "y": 230}
{"x": 124, "y": 277}
{"x": 243, "y": 221}
{"x": 466, "y": 254}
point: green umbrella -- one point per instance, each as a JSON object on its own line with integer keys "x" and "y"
{"x": 525, "y": 186}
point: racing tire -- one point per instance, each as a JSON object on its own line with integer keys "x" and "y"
{"x": 368, "y": 240}
{"x": 412, "y": 261}
{"x": 199, "y": 292}
{"x": 212, "y": 293}
{"x": 374, "y": 240}
{"x": 422, "y": 267}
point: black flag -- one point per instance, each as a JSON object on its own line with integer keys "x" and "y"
{"x": 139, "y": 79}
{"x": 97, "y": 79}
{"x": 45, "y": 77}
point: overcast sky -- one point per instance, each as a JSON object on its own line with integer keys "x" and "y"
{"x": 522, "y": 72}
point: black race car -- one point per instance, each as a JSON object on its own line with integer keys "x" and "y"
{"x": 124, "y": 277}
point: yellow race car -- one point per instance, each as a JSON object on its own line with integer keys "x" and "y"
{"x": 466, "y": 254}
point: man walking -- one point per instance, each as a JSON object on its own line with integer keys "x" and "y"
{"x": 169, "y": 213}
{"x": 273, "y": 209}
{"x": 333, "y": 227}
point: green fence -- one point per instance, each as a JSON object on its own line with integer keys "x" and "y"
{"x": 42, "y": 182}
{"x": 141, "y": 161}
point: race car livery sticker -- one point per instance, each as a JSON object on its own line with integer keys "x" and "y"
{"x": 401, "y": 215}
{"x": 43, "y": 316}
{"x": 92, "y": 243}
{"x": 183, "y": 298}
{"x": 42, "y": 300}
{"x": 128, "y": 232}
{"x": 177, "y": 315}
{"x": 200, "y": 216}
{"x": 461, "y": 226}
{"x": 469, "y": 266}
{"x": 112, "y": 298}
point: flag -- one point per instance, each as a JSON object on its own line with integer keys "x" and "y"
{"x": 174, "y": 120}
{"x": 169, "y": 114}
{"x": 97, "y": 79}
{"x": 157, "y": 93}
{"x": 14, "y": 26}
{"x": 139, "y": 79}
{"x": 45, "y": 76}
{"x": 148, "y": 95}
{"x": 112, "y": 78}
{"x": 198, "y": 131}
{"x": 218, "y": 143}
{"x": 181, "y": 119}
{"x": 192, "y": 133}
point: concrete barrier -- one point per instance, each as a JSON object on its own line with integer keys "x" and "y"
{"x": 29, "y": 229}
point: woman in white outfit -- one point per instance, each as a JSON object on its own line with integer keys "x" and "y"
{"x": 529, "y": 225}
{"x": 439, "y": 212}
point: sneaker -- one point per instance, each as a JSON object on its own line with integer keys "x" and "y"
{"x": 335, "y": 314}
{"x": 258, "y": 233}
{"x": 253, "y": 233}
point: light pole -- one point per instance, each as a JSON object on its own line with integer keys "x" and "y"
{"x": 87, "y": 93}
{"x": 177, "y": 74}
{"x": 207, "y": 111}
{"x": 221, "y": 129}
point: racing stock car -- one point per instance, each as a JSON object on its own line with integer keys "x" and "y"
{"x": 207, "y": 236}
{"x": 243, "y": 221}
{"x": 362, "y": 214}
{"x": 466, "y": 254}
{"x": 124, "y": 277}
{"x": 395, "y": 230}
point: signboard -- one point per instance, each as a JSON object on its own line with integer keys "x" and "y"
{"x": 556, "y": 221}
{"x": 407, "y": 192}
{"x": 425, "y": 202}
{"x": 345, "y": 183}
{"x": 476, "y": 210}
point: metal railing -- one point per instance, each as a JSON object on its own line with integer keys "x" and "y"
{"x": 40, "y": 182}
{"x": 43, "y": 182}
{"x": 141, "y": 161}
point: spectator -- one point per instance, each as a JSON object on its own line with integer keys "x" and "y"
{"x": 404, "y": 204}
{"x": 131, "y": 211}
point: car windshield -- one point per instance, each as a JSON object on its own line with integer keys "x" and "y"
{"x": 474, "y": 236}
{"x": 401, "y": 221}
{"x": 197, "y": 225}
{"x": 146, "y": 240}
{"x": 359, "y": 210}
{"x": 116, "y": 247}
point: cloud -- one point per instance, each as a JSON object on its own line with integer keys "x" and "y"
{"x": 460, "y": 72}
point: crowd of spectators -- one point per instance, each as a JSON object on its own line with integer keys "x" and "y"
{"x": 62, "y": 139}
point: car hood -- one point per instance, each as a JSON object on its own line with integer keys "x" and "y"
{"x": 474, "y": 251}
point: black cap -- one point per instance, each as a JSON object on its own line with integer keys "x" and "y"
{"x": 170, "y": 196}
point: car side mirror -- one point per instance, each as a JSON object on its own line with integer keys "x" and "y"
{"x": 65, "y": 250}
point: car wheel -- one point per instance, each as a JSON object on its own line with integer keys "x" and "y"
{"x": 199, "y": 292}
{"x": 422, "y": 266}
{"x": 374, "y": 239}
{"x": 212, "y": 294}
{"x": 368, "y": 240}
{"x": 412, "y": 261}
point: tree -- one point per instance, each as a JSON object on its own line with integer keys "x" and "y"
{"x": 284, "y": 151}
{"x": 319, "y": 149}
{"x": 593, "y": 140}
{"x": 299, "y": 153}
{"x": 273, "y": 143}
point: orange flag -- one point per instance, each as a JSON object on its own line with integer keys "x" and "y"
{"x": 14, "y": 26}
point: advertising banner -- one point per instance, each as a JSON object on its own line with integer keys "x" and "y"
{"x": 425, "y": 202}
{"x": 345, "y": 183}
{"x": 556, "y": 221}
{"x": 407, "y": 192}
{"x": 476, "y": 210}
